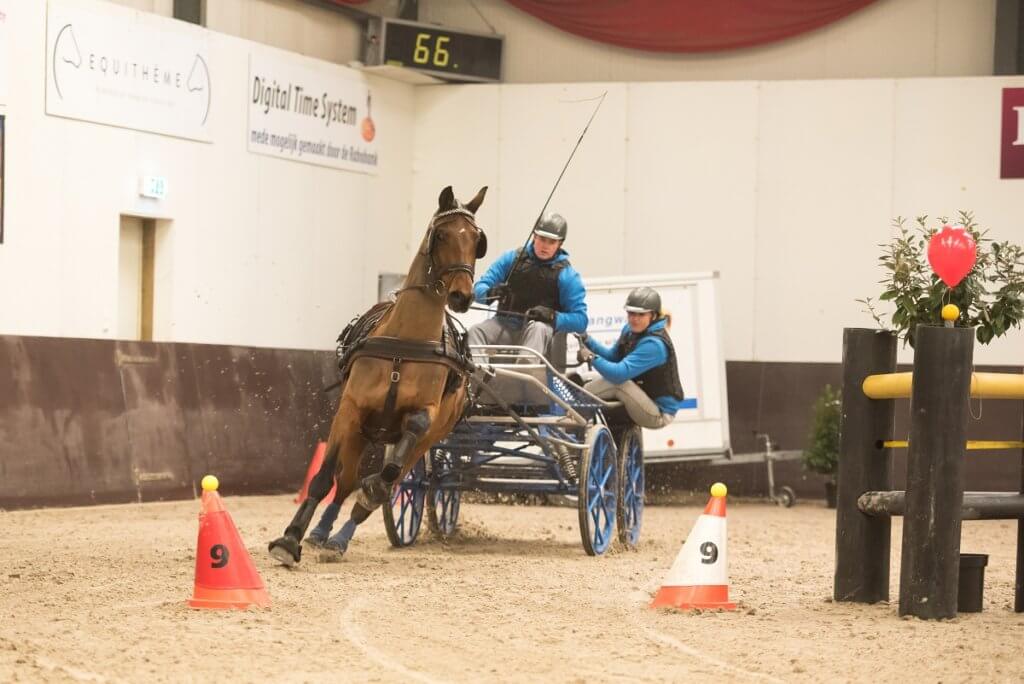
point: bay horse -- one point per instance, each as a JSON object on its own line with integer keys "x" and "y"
{"x": 397, "y": 383}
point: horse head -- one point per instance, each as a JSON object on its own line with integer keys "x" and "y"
{"x": 452, "y": 245}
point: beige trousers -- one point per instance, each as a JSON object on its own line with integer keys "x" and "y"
{"x": 640, "y": 407}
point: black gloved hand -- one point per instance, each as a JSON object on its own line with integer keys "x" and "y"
{"x": 544, "y": 314}
{"x": 584, "y": 355}
{"x": 499, "y": 291}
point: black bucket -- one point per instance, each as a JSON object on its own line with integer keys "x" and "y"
{"x": 971, "y": 589}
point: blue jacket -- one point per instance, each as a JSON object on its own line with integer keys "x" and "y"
{"x": 572, "y": 304}
{"x": 650, "y": 352}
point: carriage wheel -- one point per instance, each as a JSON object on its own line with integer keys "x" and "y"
{"x": 598, "y": 490}
{"x": 402, "y": 518}
{"x": 631, "y": 478}
{"x": 443, "y": 504}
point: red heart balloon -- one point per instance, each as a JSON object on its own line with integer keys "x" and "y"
{"x": 952, "y": 254}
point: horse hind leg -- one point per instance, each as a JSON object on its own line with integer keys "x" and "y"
{"x": 319, "y": 534}
{"x": 286, "y": 549}
{"x": 336, "y": 546}
{"x": 376, "y": 489}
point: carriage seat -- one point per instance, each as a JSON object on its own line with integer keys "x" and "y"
{"x": 522, "y": 392}
{"x": 518, "y": 390}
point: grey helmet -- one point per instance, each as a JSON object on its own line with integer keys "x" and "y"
{"x": 551, "y": 226}
{"x": 644, "y": 299}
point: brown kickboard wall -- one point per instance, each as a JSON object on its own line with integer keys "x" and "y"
{"x": 88, "y": 421}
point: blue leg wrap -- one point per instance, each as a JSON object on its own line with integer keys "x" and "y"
{"x": 344, "y": 536}
{"x": 323, "y": 528}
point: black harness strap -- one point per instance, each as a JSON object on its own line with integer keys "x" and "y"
{"x": 401, "y": 351}
{"x": 381, "y": 431}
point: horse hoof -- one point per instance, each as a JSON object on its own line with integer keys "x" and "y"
{"x": 315, "y": 541}
{"x": 330, "y": 555}
{"x": 285, "y": 551}
{"x": 376, "y": 491}
{"x": 332, "y": 551}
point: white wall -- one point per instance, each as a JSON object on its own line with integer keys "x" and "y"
{"x": 255, "y": 251}
{"x": 889, "y": 39}
{"x": 784, "y": 187}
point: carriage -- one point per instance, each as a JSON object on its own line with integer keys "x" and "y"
{"x": 528, "y": 427}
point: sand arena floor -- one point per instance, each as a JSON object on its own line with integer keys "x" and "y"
{"x": 98, "y": 594}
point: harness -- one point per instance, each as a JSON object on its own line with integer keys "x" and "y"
{"x": 451, "y": 351}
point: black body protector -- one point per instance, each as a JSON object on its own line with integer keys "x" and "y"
{"x": 662, "y": 380}
{"x": 533, "y": 283}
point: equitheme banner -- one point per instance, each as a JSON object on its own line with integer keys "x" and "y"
{"x": 317, "y": 115}
{"x": 130, "y": 69}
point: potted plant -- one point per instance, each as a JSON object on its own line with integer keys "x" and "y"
{"x": 822, "y": 453}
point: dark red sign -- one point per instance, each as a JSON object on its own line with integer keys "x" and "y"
{"x": 1013, "y": 134}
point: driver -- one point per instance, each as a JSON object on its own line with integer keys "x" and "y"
{"x": 540, "y": 285}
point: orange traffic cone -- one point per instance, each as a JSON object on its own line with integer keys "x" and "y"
{"x": 314, "y": 468}
{"x": 225, "y": 574}
{"x": 699, "y": 577}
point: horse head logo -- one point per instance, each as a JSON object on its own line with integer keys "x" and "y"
{"x": 65, "y": 51}
{"x": 199, "y": 81}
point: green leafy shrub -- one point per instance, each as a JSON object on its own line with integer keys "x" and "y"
{"x": 822, "y": 453}
{"x": 990, "y": 297}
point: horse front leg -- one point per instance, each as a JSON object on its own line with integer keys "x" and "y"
{"x": 286, "y": 549}
{"x": 376, "y": 488}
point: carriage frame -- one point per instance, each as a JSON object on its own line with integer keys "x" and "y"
{"x": 525, "y": 422}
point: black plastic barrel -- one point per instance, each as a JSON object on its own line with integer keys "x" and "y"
{"x": 971, "y": 588}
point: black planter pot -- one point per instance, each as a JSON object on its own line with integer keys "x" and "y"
{"x": 830, "y": 494}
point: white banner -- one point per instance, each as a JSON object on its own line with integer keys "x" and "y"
{"x": 317, "y": 115}
{"x": 130, "y": 69}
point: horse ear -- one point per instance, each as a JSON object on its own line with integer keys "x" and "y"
{"x": 446, "y": 200}
{"x": 475, "y": 203}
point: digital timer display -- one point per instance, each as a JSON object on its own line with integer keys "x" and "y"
{"x": 447, "y": 54}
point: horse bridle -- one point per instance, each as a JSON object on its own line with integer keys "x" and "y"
{"x": 438, "y": 286}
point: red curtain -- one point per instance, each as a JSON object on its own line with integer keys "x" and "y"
{"x": 688, "y": 25}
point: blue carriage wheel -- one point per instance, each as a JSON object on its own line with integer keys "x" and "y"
{"x": 443, "y": 514}
{"x": 631, "y": 496}
{"x": 442, "y": 503}
{"x": 404, "y": 513}
{"x": 598, "y": 490}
